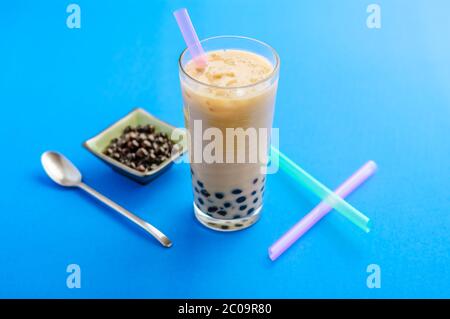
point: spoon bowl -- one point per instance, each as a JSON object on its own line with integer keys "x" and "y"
{"x": 60, "y": 169}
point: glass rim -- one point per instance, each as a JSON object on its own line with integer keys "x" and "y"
{"x": 270, "y": 76}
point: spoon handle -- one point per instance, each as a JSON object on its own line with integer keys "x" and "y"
{"x": 138, "y": 221}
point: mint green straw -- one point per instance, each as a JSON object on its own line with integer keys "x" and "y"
{"x": 328, "y": 196}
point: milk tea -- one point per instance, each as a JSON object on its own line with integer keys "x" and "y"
{"x": 236, "y": 89}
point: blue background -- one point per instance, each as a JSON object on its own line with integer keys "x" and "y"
{"x": 347, "y": 94}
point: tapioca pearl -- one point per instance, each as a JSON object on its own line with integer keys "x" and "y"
{"x": 240, "y": 199}
{"x": 192, "y": 172}
{"x": 200, "y": 184}
{"x": 205, "y": 193}
{"x": 262, "y": 189}
{"x": 263, "y": 179}
{"x": 212, "y": 209}
{"x": 238, "y": 225}
{"x": 219, "y": 195}
{"x": 242, "y": 207}
{"x": 222, "y": 212}
{"x": 209, "y": 214}
{"x": 227, "y": 204}
{"x": 236, "y": 191}
{"x": 255, "y": 200}
{"x": 196, "y": 189}
{"x": 255, "y": 180}
{"x": 236, "y": 216}
{"x": 201, "y": 201}
{"x": 251, "y": 210}
{"x": 224, "y": 226}
{"x": 253, "y": 193}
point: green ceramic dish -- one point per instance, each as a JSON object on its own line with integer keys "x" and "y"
{"x": 97, "y": 144}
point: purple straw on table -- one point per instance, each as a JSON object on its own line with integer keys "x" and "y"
{"x": 300, "y": 228}
{"x": 190, "y": 37}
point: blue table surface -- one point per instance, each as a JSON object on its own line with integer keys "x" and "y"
{"x": 347, "y": 94}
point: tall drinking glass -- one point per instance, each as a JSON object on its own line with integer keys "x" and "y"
{"x": 228, "y": 111}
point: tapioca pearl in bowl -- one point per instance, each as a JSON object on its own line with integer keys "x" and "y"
{"x": 227, "y": 204}
{"x": 251, "y": 210}
{"x": 199, "y": 183}
{"x": 254, "y": 193}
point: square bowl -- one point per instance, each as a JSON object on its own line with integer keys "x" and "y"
{"x": 97, "y": 144}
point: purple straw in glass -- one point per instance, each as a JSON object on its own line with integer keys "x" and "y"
{"x": 190, "y": 37}
{"x": 301, "y": 227}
